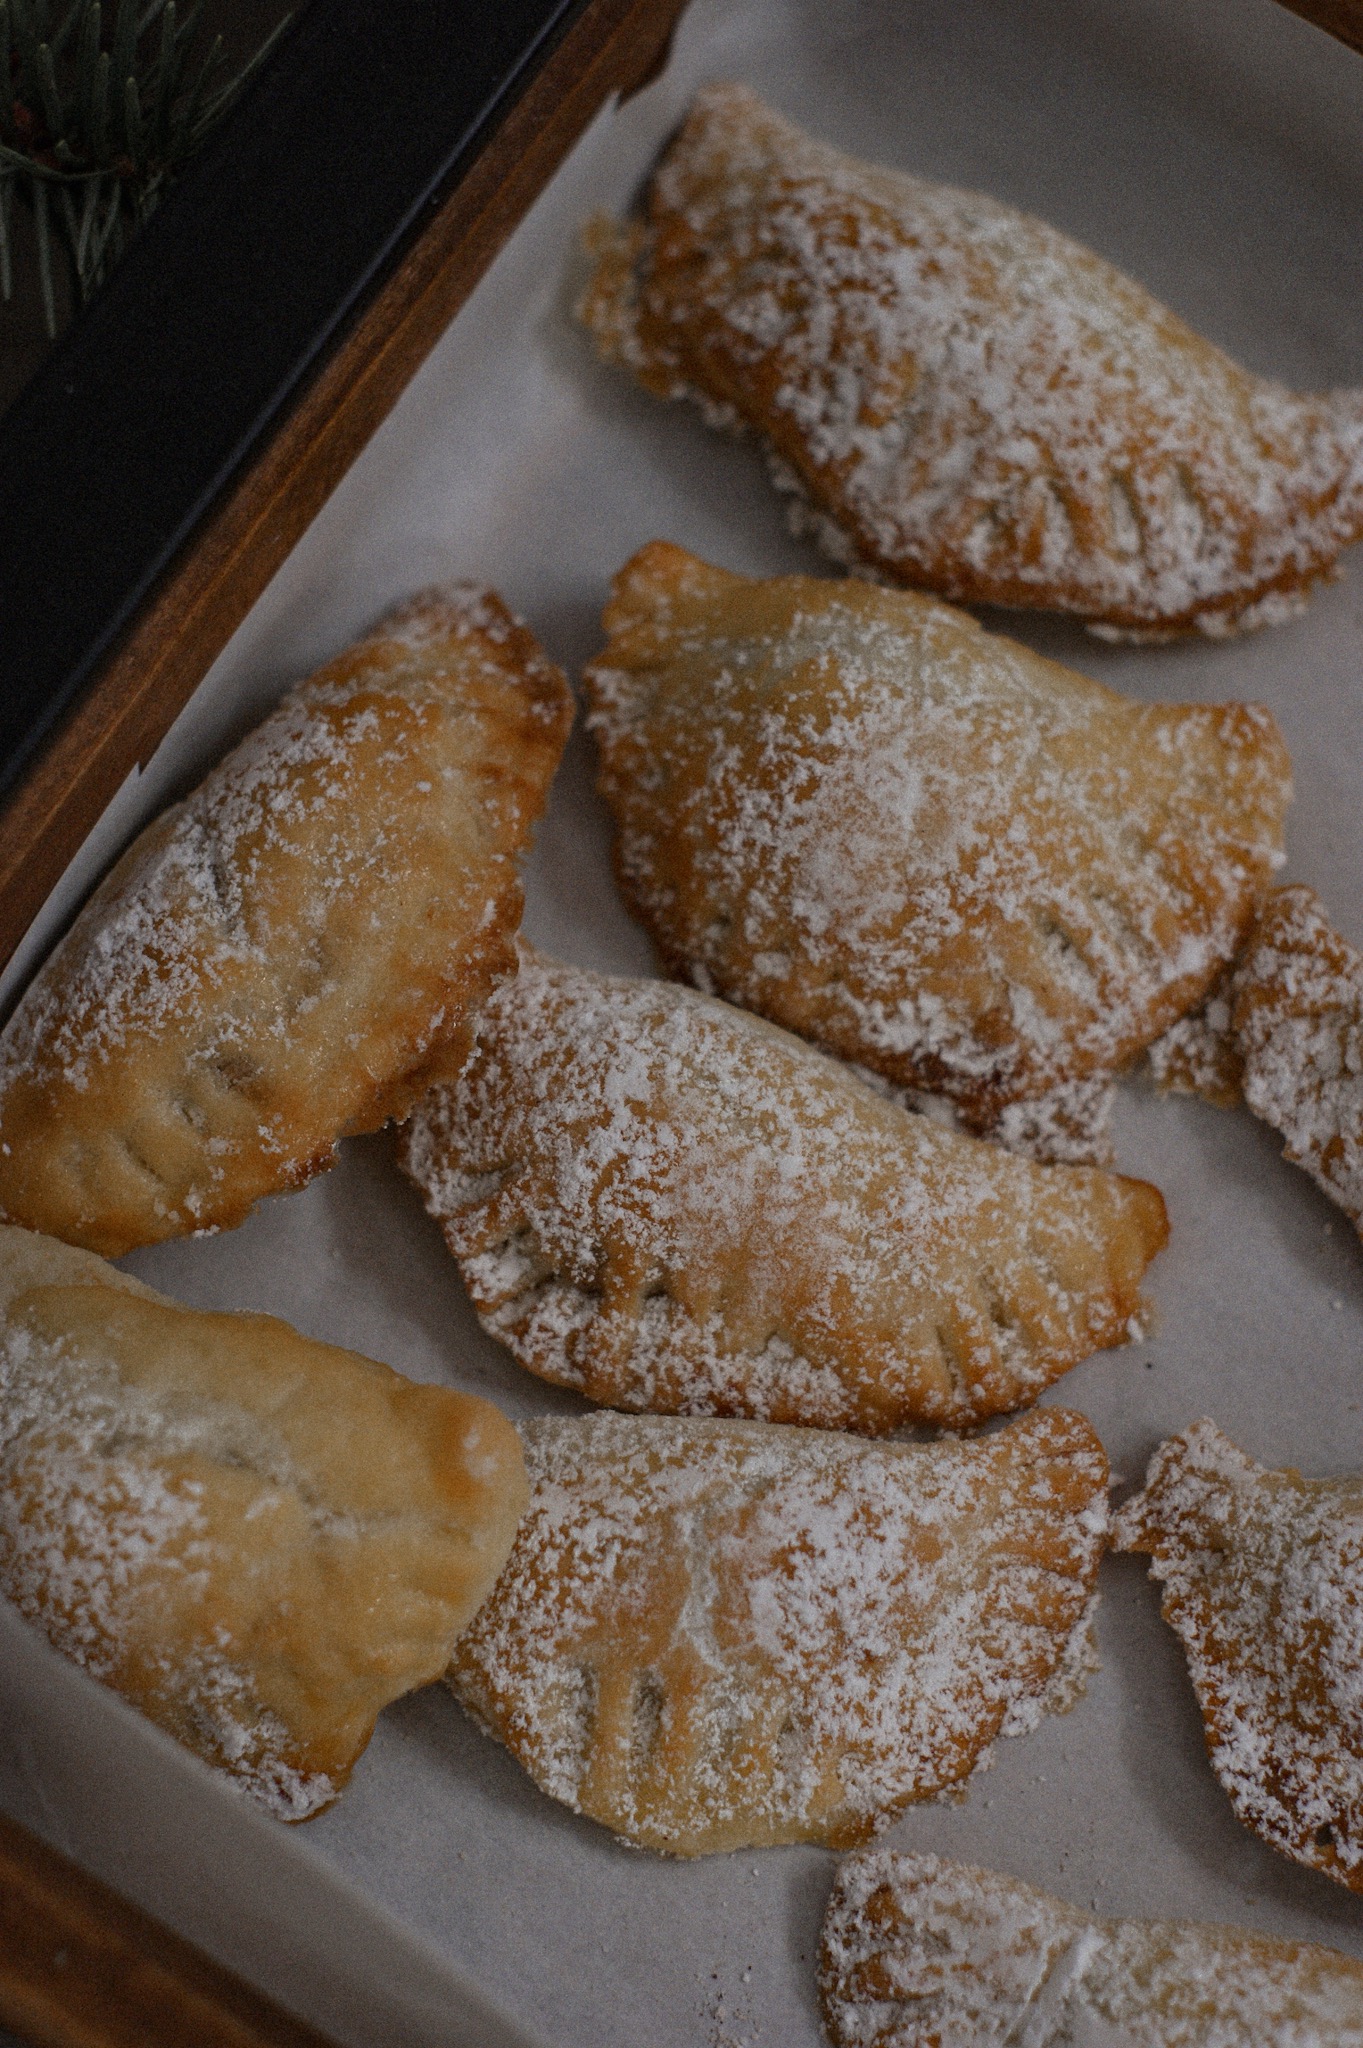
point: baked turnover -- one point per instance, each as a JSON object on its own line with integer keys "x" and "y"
{"x": 275, "y": 962}
{"x": 920, "y": 844}
{"x": 257, "y": 1539}
{"x": 921, "y": 1953}
{"x": 717, "y": 1635}
{"x": 964, "y": 397}
{"x": 668, "y": 1204}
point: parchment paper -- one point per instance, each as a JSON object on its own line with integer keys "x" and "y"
{"x": 1216, "y": 152}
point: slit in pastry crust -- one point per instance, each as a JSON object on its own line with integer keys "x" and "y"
{"x": 1263, "y": 1585}
{"x": 275, "y": 963}
{"x": 921, "y": 845}
{"x": 963, "y": 398}
{"x": 717, "y": 1635}
{"x": 921, "y": 1953}
{"x": 667, "y": 1204}
{"x": 256, "y": 1539}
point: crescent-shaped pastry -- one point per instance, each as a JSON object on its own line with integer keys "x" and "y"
{"x": 276, "y": 962}
{"x": 667, "y": 1204}
{"x": 921, "y": 1953}
{"x": 967, "y": 399}
{"x": 257, "y": 1539}
{"x": 917, "y": 843}
{"x": 718, "y": 1635}
{"x": 1263, "y": 1585}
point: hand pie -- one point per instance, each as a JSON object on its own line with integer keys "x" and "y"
{"x": 258, "y": 1540}
{"x": 718, "y": 1635}
{"x": 965, "y": 398}
{"x": 668, "y": 1204}
{"x": 921, "y": 1953}
{"x": 276, "y": 962}
{"x": 917, "y": 843}
{"x": 1263, "y": 1586}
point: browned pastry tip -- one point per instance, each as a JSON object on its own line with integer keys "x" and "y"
{"x": 277, "y": 962}
{"x": 965, "y": 398}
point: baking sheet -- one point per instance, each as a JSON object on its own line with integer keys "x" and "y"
{"x": 1217, "y": 153}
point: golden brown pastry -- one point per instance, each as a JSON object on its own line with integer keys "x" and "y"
{"x": 1263, "y": 1585}
{"x": 716, "y": 1635}
{"x": 917, "y": 843}
{"x": 277, "y": 961}
{"x": 668, "y": 1204}
{"x": 257, "y": 1539}
{"x": 967, "y": 399}
{"x": 921, "y": 1953}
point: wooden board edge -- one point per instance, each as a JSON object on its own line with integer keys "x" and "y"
{"x": 613, "y": 46}
{"x": 1342, "y": 19}
{"x": 82, "y": 1968}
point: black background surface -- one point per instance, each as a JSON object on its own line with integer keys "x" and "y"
{"x": 274, "y": 239}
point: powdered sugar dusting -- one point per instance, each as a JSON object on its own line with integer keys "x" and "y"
{"x": 100, "y": 1540}
{"x": 258, "y": 1540}
{"x": 920, "y": 844}
{"x": 968, "y": 398}
{"x": 713, "y": 1634}
{"x": 1298, "y": 1027}
{"x": 277, "y": 957}
{"x": 921, "y": 1953}
{"x": 1262, "y": 1583}
{"x": 668, "y": 1204}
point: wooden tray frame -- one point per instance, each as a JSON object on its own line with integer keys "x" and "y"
{"x": 79, "y": 1967}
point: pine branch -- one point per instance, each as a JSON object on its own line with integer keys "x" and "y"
{"x": 104, "y": 107}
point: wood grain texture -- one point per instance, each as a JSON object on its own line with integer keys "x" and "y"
{"x": 81, "y": 1968}
{"x": 613, "y": 46}
{"x": 1341, "y": 18}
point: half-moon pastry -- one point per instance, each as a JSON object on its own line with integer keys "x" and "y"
{"x": 717, "y": 1635}
{"x": 257, "y": 1539}
{"x": 1263, "y": 1586}
{"x": 668, "y": 1204}
{"x": 966, "y": 398}
{"x": 921, "y": 1953}
{"x": 276, "y": 961}
{"x": 917, "y": 843}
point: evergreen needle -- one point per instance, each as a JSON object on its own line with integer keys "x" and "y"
{"x": 96, "y": 125}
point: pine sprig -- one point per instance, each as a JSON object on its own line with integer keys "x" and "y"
{"x": 99, "y": 110}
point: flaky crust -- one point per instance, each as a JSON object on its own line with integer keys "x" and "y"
{"x": 670, "y": 1205}
{"x": 921, "y": 1953}
{"x": 1262, "y": 1580}
{"x": 967, "y": 399}
{"x": 917, "y": 843}
{"x": 257, "y": 1539}
{"x": 715, "y": 1635}
{"x": 1297, "y": 1025}
{"x": 275, "y": 962}
{"x": 1283, "y": 1031}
